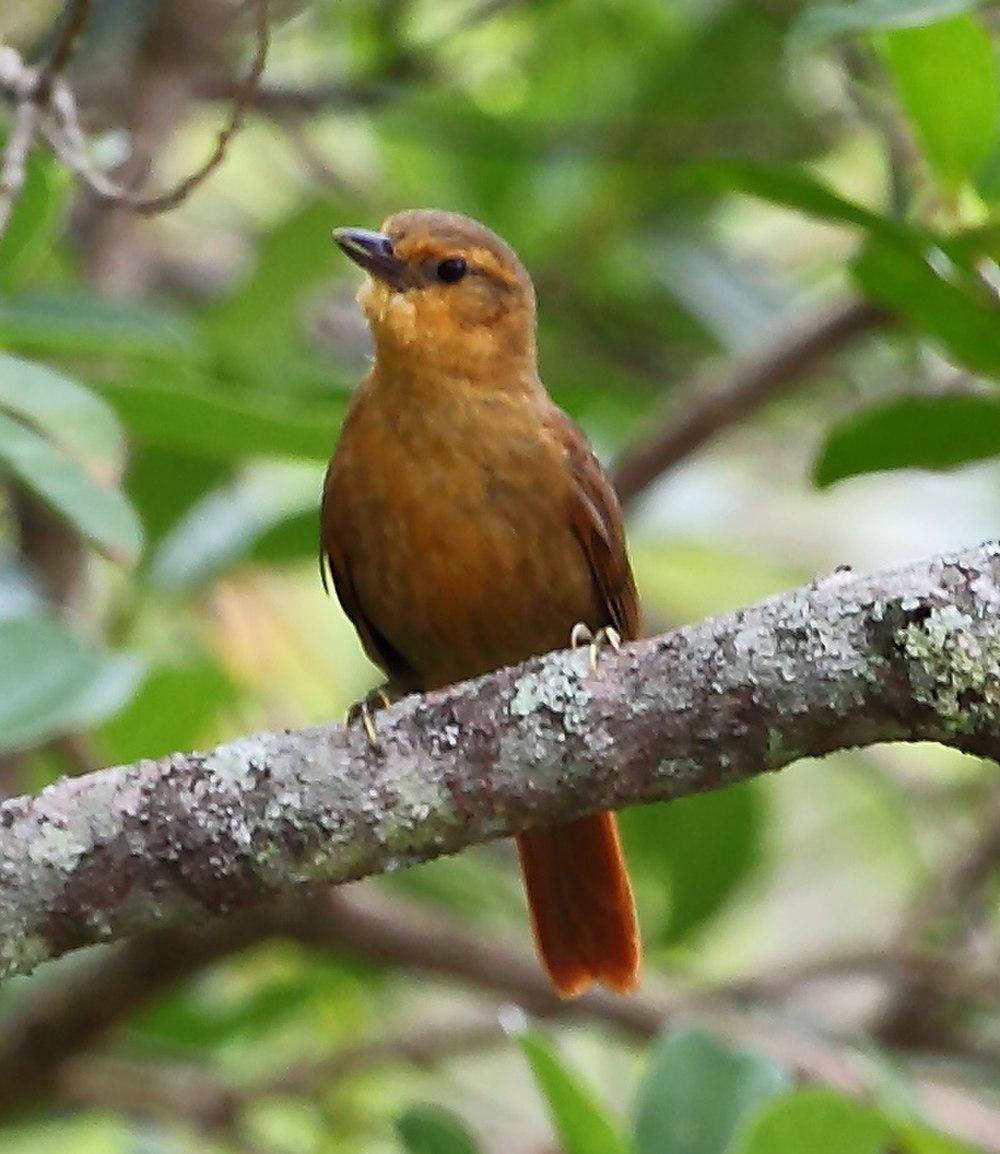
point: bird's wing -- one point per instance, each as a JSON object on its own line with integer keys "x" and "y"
{"x": 596, "y": 518}
{"x": 334, "y": 564}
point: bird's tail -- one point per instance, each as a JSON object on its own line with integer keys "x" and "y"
{"x": 581, "y": 904}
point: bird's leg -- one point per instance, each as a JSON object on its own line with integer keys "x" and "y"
{"x": 581, "y": 635}
{"x": 364, "y": 710}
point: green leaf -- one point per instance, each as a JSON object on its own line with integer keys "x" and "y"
{"x": 912, "y": 433}
{"x": 949, "y": 85}
{"x": 291, "y": 257}
{"x": 78, "y": 322}
{"x": 821, "y": 22}
{"x": 28, "y": 236}
{"x": 99, "y": 512}
{"x": 988, "y": 182}
{"x": 51, "y": 683}
{"x": 68, "y": 413}
{"x": 214, "y": 425}
{"x": 820, "y": 1121}
{"x": 169, "y": 712}
{"x": 699, "y": 848}
{"x": 790, "y": 186}
{"x": 261, "y": 1001}
{"x": 256, "y": 333}
{"x": 429, "y": 1129}
{"x": 582, "y": 1124}
{"x": 697, "y": 1092}
{"x": 160, "y": 506}
{"x": 225, "y": 524}
{"x": 19, "y": 593}
{"x": 918, "y": 1140}
{"x": 945, "y": 304}
{"x": 289, "y": 539}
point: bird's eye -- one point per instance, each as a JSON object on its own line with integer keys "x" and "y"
{"x": 451, "y": 269}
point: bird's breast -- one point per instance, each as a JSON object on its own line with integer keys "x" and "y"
{"x": 457, "y": 538}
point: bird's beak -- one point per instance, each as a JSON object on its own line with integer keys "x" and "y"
{"x": 373, "y": 252}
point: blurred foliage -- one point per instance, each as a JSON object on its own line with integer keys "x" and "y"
{"x": 683, "y": 179}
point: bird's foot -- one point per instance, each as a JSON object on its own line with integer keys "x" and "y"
{"x": 581, "y": 635}
{"x": 365, "y": 710}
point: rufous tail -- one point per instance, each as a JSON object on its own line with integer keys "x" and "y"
{"x": 581, "y": 904}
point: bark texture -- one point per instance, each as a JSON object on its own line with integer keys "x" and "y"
{"x": 908, "y": 655}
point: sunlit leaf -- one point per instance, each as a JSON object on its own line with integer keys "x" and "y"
{"x": 943, "y": 301}
{"x": 936, "y": 432}
{"x": 169, "y": 712}
{"x": 820, "y": 1121}
{"x": 581, "y": 1123}
{"x": 51, "y": 683}
{"x": 787, "y": 185}
{"x": 68, "y": 413}
{"x": 697, "y": 1092}
{"x": 912, "y": 1139}
{"x": 684, "y": 580}
{"x": 99, "y": 512}
{"x": 949, "y": 85}
{"x": 429, "y": 1129}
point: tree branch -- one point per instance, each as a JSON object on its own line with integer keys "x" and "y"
{"x": 725, "y": 395}
{"x": 906, "y": 655}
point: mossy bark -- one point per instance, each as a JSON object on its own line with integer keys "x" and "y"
{"x": 910, "y": 655}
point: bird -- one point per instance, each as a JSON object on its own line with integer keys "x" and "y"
{"x": 467, "y": 525}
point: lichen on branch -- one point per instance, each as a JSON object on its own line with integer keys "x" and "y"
{"x": 908, "y": 655}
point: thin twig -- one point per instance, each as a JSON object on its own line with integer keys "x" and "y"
{"x": 13, "y": 165}
{"x": 164, "y": 201}
{"x": 76, "y": 16}
{"x": 44, "y": 103}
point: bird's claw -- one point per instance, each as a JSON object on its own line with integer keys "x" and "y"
{"x": 364, "y": 712}
{"x": 581, "y": 635}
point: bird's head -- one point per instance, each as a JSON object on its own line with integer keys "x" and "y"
{"x": 444, "y": 293}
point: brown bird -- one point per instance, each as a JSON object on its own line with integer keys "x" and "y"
{"x": 467, "y": 525}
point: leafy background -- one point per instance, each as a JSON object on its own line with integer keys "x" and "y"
{"x": 686, "y": 180}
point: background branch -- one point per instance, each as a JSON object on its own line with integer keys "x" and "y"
{"x": 42, "y": 1041}
{"x": 44, "y": 104}
{"x": 725, "y": 395}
